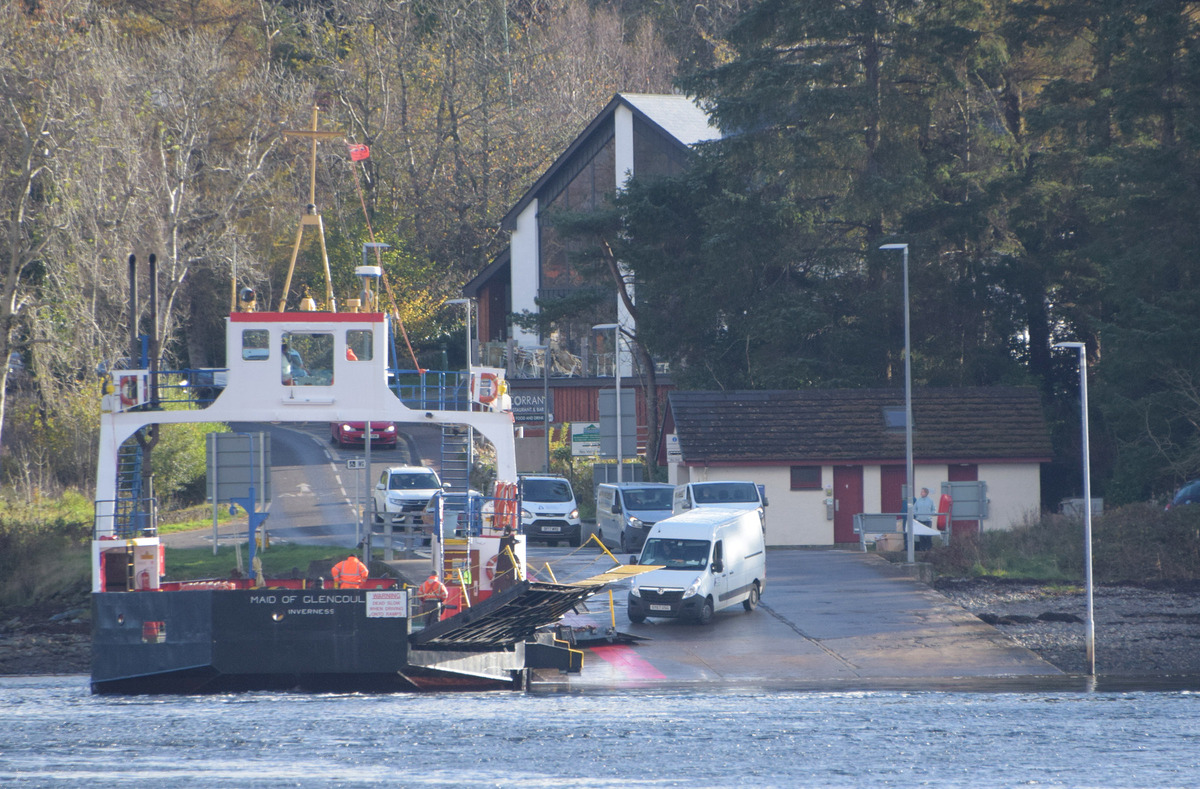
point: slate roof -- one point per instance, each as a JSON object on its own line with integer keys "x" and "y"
{"x": 678, "y": 117}
{"x": 847, "y": 426}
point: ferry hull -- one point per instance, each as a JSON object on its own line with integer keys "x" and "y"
{"x": 215, "y": 641}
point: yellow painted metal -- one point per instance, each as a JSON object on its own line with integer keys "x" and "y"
{"x": 618, "y": 573}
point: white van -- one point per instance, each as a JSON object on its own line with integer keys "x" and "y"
{"x": 711, "y": 559}
{"x": 736, "y": 494}
{"x": 628, "y": 510}
{"x": 548, "y": 510}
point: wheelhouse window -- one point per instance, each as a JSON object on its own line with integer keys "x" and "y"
{"x": 306, "y": 359}
{"x": 358, "y": 345}
{"x": 256, "y": 345}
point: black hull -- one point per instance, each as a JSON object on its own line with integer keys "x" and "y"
{"x": 221, "y": 641}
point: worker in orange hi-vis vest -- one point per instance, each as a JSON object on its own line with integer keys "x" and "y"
{"x": 432, "y": 593}
{"x": 349, "y": 573}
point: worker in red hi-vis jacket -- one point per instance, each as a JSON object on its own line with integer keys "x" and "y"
{"x": 349, "y": 573}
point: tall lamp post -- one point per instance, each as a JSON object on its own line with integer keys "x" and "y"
{"x": 616, "y": 330}
{"x": 545, "y": 349}
{"x": 1090, "y": 625}
{"x": 910, "y": 538}
{"x": 467, "y": 303}
{"x": 369, "y": 301}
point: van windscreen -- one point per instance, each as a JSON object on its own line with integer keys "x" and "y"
{"x": 676, "y": 554}
{"x": 649, "y": 498}
{"x": 719, "y": 492}
{"x": 546, "y": 490}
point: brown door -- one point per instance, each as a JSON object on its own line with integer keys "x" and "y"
{"x": 892, "y": 480}
{"x": 847, "y": 501}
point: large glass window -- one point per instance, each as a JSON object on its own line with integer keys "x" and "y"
{"x": 586, "y": 191}
{"x": 307, "y": 359}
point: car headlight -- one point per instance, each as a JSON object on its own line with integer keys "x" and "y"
{"x": 347, "y": 427}
{"x": 390, "y": 429}
{"x": 526, "y": 515}
{"x": 634, "y": 522}
{"x": 635, "y": 592}
{"x": 574, "y": 514}
{"x": 691, "y": 590}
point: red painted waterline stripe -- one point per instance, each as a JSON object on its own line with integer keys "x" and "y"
{"x": 626, "y": 660}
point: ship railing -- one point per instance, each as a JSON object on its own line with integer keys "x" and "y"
{"x": 428, "y": 390}
{"x": 431, "y": 390}
{"x": 455, "y": 514}
{"x": 125, "y": 519}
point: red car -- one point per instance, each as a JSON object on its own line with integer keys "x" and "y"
{"x": 383, "y": 434}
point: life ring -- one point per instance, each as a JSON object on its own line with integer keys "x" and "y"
{"x": 128, "y": 390}
{"x": 489, "y": 569}
{"x": 489, "y": 388}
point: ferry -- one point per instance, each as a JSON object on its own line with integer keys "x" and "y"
{"x": 153, "y": 635}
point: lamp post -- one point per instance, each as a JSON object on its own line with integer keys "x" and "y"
{"x": 545, "y": 349}
{"x": 910, "y": 538}
{"x": 616, "y": 330}
{"x": 1090, "y": 625}
{"x": 368, "y": 272}
{"x": 467, "y": 303}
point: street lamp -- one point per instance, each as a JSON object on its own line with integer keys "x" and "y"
{"x": 467, "y": 303}
{"x": 908, "y": 418}
{"x": 616, "y": 330}
{"x": 368, "y": 272}
{"x": 1090, "y": 625}
{"x": 545, "y": 349}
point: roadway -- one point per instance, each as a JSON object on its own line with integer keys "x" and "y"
{"x": 828, "y": 618}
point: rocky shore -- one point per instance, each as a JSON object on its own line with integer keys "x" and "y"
{"x": 1140, "y": 630}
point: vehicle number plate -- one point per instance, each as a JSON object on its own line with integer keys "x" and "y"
{"x": 552, "y": 529}
{"x": 659, "y": 607}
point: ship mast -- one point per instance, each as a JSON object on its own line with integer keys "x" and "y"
{"x": 311, "y": 215}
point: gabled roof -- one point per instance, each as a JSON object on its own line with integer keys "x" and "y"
{"x": 677, "y": 117}
{"x": 847, "y": 425}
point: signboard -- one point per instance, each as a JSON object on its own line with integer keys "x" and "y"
{"x": 674, "y": 453}
{"x": 530, "y": 407}
{"x": 237, "y": 462}
{"x": 356, "y": 463}
{"x": 608, "y": 423}
{"x": 387, "y": 604}
{"x": 585, "y": 439}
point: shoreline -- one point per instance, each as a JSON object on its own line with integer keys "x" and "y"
{"x": 1144, "y": 632}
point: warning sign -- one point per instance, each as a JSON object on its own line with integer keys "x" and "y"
{"x": 387, "y": 604}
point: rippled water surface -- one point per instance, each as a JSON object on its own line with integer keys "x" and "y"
{"x": 56, "y": 733}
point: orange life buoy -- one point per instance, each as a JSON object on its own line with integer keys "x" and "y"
{"x": 128, "y": 390}
{"x": 489, "y": 388}
{"x": 489, "y": 569}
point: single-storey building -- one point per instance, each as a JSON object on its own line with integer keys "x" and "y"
{"x": 825, "y": 455}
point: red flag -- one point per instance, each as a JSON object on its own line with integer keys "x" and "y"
{"x": 359, "y": 152}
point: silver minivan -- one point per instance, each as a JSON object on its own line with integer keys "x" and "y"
{"x": 628, "y": 510}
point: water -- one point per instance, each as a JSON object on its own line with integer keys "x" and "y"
{"x": 56, "y": 734}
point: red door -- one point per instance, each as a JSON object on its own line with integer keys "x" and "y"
{"x": 847, "y": 501}
{"x": 964, "y": 472}
{"x": 892, "y": 480}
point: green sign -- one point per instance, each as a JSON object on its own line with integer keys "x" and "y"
{"x": 585, "y": 439}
